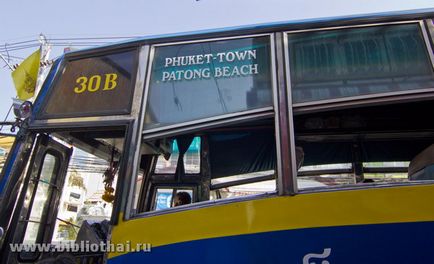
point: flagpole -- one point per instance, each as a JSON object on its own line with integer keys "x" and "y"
{"x": 45, "y": 49}
{"x": 7, "y": 63}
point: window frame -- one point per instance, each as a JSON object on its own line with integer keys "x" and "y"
{"x": 41, "y": 122}
{"x": 254, "y": 179}
{"x": 175, "y": 189}
{"x": 213, "y": 118}
{"x": 359, "y": 99}
{"x": 198, "y": 205}
{"x": 48, "y": 203}
{"x": 282, "y": 111}
{"x": 148, "y": 192}
{"x": 345, "y": 102}
{"x": 193, "y": 126}
{"x": 64, "y": 62}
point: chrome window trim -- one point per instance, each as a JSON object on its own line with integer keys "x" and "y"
{"x": 368, "y": 96}
{"x": 354, "y": 26}
{"x": 378, "y": 96}
{"x": 137, "y": 127}
{"x": 207, "y": 119}
{"x": 409, "y": 96}
{"x": 365, "y": 186}
{"x": 277, "y": 131}
{"x": 430, "y": 25}
{"x": 209, "y": 40}
{"x": 207, "y": 125}
{"x": 427, "y": 42}
{"x": 143, "y": 55}
{"x": 290, "y": 114}
{"x": 205, "y": 204}
{"x": 267, "y": 177}
{"x": 90, "y": 121}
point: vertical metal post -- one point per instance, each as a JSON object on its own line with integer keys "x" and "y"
{"x": 287, "y": 183}
{"x": 136, "y": 133}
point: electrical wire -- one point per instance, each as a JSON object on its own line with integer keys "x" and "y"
{"x": 11, "y": 48}
{"x": 66, "y": 41}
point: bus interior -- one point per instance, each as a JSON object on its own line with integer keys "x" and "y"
{"x": 351, "y": 147}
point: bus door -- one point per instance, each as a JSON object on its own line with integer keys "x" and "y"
{"x": 34, "y": 218}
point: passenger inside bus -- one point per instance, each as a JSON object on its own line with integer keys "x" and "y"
{"x": 181, "y": 198}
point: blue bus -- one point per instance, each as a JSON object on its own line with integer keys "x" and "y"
{"x": 296, "y": 142}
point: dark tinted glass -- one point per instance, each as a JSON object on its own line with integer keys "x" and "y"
{"x": 358, "y": 61}
{"x": 207, "y": 79}
{"x": 94, "y": 86}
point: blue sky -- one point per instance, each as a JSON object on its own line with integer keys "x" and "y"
{"x": 24, "y": 20}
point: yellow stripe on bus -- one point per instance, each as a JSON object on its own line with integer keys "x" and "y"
{"x": 323, "y": 209}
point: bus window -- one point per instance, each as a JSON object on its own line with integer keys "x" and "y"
{"x": 397, "y": 171}
{"x": 325, "y": 175}
{"x": 220, "y": 163}
{"x": 339, "y": 63}
{"x": 88, "y": 192}
{"x": 191, "y": 159}
{"x": 242, "y": 162}
{"x": 163, "y": 198}
{"x": 238, "y": 185}
{"x": 361, "y": 145}
{"x": 225, "y": 76}
{"x": 40, "y": 205}
{"x": 167, "y": 165}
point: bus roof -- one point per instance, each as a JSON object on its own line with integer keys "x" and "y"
{"x": 270, "y": 27}
{"x": 130, "y": 50}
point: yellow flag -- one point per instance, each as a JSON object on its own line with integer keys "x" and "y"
{"x": 25, "y": 76}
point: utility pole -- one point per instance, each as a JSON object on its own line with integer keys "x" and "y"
{"x": 45, "y": 53}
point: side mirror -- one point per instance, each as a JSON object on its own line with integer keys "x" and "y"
{"x": 1, "y": 232}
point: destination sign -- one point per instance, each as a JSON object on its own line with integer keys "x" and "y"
{"x": 94, "y": 86}
{"x": 206, "y": 79}
{"x": 208, "y": 59}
